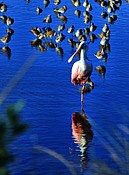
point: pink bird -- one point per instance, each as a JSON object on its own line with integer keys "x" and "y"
{"x": 82, "y": 69}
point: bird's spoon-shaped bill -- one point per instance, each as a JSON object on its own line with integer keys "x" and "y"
{"x": 72, "y": 57}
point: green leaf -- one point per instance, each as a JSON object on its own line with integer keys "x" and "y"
{"x": 5, "y": 157}
{"x": 13, "y": 117}
{"x": 4, "y": 171}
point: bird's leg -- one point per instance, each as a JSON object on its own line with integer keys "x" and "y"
{"x": 82, "y": 98}
{"x": 82, "y": 102}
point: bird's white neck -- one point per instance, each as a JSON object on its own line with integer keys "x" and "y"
{"x": 82, "y": 59}
{"x": 82, "y": 55}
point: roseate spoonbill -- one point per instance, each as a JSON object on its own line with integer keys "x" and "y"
{"x": 81, "y": 70}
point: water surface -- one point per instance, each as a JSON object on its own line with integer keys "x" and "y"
{"x": 51, "y": 99}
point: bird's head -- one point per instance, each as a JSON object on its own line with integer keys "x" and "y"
{"x": 83, "y": 46}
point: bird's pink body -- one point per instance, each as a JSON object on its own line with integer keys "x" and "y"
{"x": 82, "y": 69}
{"x": 80, "y": 76}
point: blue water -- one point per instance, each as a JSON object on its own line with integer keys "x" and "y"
{"x": 51, "y": 99}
